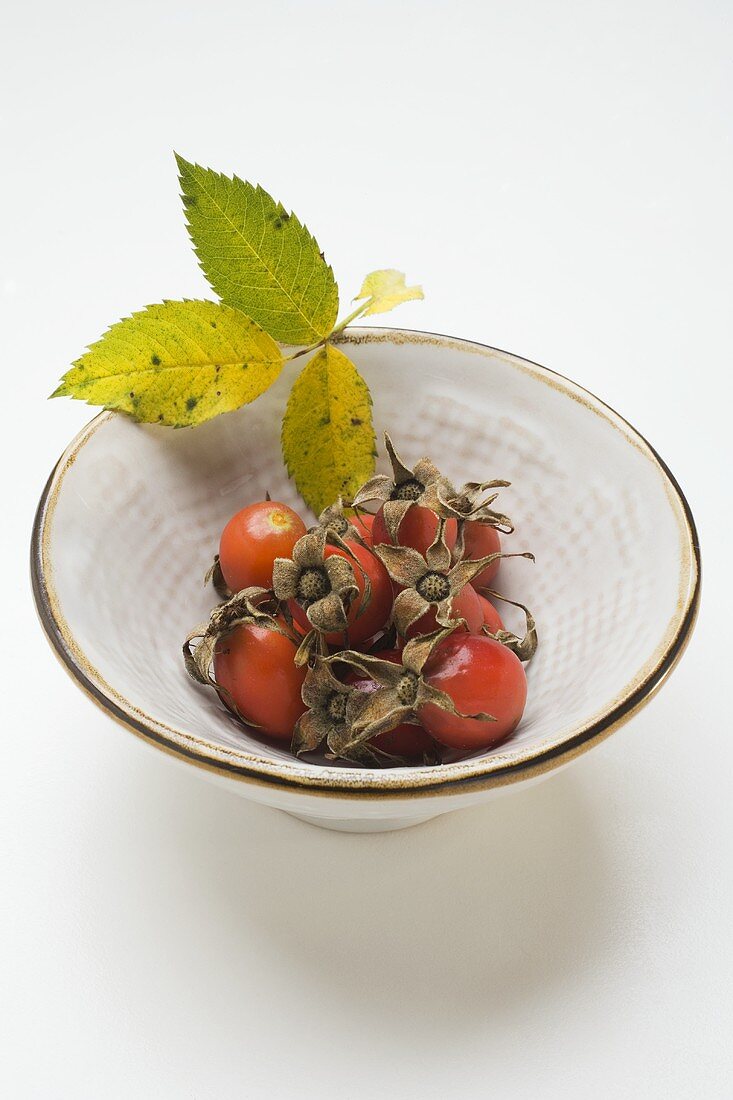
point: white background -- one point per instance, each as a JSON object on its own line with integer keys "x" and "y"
{"x": 559, "y": 177}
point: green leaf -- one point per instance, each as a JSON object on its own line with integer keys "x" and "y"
{"x": 386, "y": 289}
{"x": 257, "y": 257}
{"x": 327, "y": 434}
{"x": 176, "y": 363}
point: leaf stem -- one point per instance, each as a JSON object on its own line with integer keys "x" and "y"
{"x": 352, "y": 317}
{"x": 304, "y": 351}
{"x": 334, "y": 332}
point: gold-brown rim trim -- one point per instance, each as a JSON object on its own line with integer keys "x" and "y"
{"x": 475, "y": 774}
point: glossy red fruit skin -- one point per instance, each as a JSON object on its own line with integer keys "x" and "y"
{"x": 253, "y": 538}
{"x": 418, "y": 529}
{"x": 479, "y": 674}
{"x": 492, "y": 618}
{"x": 255, "y": 665}
{"x": 466, "y": 605}
{"x": 380, "y": 606}
{"x": 405, "y": 740}
{"x": 480, "y": 540}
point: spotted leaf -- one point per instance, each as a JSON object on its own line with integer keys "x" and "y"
{"x": 258, "y": 257}
{"x": 176, "y": 363}
{"x": 327, "y": 434}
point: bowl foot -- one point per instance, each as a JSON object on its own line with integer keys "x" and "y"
{"x": 362, "y": 824}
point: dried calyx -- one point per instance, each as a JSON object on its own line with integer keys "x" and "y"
{"x": 524, "y": 647}
{"x": 250, "y": 607}
{"x": 429, "y": 581}
{"x": 323, "y": 585}
{"x": 401, "y": 693}
{"x": 470, "y": 502}
{"x": 340, "y": 525}
{"x": 326, "y": 723}
{"x": 424, "y": 485}
{"x": 216, "y": 577}
{"x": 405, "y": 488}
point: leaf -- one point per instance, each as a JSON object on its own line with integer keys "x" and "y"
{"x": 386, "y": 289}
{"x": 257, "y": 257}
{"x": 327, "y": 434}
{"x": 176, "y": 363}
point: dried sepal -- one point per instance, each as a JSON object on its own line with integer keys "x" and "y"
{"x": 525, "y": 647}
{"x": 313, "y": 645}
{"x": 469, "y": 503}
{"x": 324, "y": 586}
{"x": 368, "y": 756}
{"x": 418, "y": 651}
{"x": 432, "y": 695}
{"x": 308, "y": 550}
{"x": 428, "y": 580}
{"x": 409, "y": 607}
{"x": 478, "y": 508}
{"x": 463, "y": 572}
{"x": 370, "y": 665}
{"x": 307, "y": 734}
{"x": 405, "y": 488}
{"x": 338, "y": 523}
{"x": 192, "y": 665}
{"x": 364, "y": 756}
{"x": 343, "y": 544}
{"x": 250, "y": 607}
{"x": 328, "y": 614}
{"x": 403, "y": 563}
{"x": 378, "y": 487}
{"x": 380, "y": 715}
{"x": 285, "y": 576}
{"x": 325, "y": 720}
{"x": 216, "y": 577}
{"x": 401, "y": 693}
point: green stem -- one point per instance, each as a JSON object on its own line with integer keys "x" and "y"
{"x": 352, "y": 317}
{"x": 339, "y": 328}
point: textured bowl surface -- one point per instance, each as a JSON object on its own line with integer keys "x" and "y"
{"x": 131, "y": 515}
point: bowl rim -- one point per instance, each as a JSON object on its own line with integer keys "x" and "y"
{"x": 497, "y": 769}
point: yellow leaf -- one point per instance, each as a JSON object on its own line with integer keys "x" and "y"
{"x": 386, "y": 289}
{"x": 327, "y": 433}
{"x": 177, "y": 363}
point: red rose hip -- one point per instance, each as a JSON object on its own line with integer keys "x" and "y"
{"x": 252, "y": 540}
{"x": 481, "y": 676}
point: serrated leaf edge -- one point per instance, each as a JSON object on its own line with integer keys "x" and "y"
{"x": 184, "y": 165}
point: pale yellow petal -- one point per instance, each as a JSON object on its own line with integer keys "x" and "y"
{"x": 386, "y": 289}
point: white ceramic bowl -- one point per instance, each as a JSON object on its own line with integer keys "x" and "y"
{"x": 130, "y": 519}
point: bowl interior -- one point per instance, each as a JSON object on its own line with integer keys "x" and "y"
{"x": 132, "y": 519}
